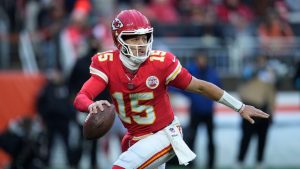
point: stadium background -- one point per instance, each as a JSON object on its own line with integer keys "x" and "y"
{"x": 37, "y": 36}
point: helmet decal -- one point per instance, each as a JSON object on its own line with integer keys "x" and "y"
{"x": 116, "y": 24}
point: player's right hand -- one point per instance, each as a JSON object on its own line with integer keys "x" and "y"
{"x": 98, "y": 105}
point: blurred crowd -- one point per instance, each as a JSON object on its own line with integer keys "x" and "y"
{"x": 61, "y": 31}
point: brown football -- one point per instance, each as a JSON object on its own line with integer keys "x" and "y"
{"x": 98, "y": 124}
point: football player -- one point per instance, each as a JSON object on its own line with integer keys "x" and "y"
{"x": 137, "y": 78}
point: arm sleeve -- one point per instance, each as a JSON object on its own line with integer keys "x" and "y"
{"x": 99, "y": 69}
{"x": 90, "y": 89}
{"x": 176, "y": 75}
{"x": 182, "y": 80}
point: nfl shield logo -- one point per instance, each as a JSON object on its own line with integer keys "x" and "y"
{"x": 152, "y": 82}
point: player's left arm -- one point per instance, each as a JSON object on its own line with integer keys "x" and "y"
{"x": 179, "y": 77}
{"x": 214, "y": 92}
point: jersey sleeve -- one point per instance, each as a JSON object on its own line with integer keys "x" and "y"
{"x": 90, "y": 89}
{"x": 99, "y": 68}
{"x": 176, "y": 75}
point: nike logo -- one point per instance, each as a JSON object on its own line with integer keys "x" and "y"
{"x": 174, "y": 59}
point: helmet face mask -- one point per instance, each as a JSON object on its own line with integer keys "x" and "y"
{"x": 129, "y": 24}
{"x": 136, "y": 50}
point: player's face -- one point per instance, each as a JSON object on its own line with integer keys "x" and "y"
{"x": 137, "y": 44}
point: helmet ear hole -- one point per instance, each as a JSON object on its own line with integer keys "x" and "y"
{"x": 124, "y": 50}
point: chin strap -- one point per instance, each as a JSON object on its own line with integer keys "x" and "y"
{"x": 132, "y": 63}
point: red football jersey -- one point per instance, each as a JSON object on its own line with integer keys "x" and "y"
{"x": 141, "y": 100}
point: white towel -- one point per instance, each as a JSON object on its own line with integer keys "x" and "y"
{"x": 182, "y": 151}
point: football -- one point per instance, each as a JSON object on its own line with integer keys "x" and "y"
{"x": 98, "y": 124}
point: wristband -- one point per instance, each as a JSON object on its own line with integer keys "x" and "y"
{"x": 242, "y": 108}
{"x": 231, "y": 102}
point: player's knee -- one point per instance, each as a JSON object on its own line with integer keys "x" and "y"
{"x": 117, "y": 167}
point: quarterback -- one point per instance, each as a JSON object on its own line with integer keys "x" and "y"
{"x": 137, "y": 78}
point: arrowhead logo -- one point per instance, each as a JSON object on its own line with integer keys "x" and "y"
{"x": 116, "y": 24}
